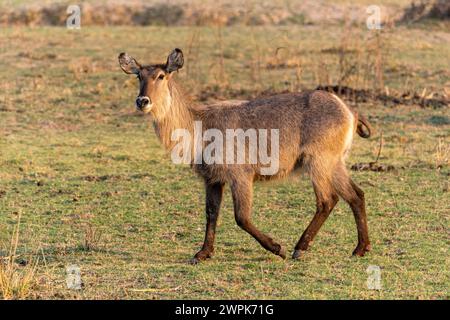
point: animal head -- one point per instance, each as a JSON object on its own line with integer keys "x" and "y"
{"x": 154, "y": 81}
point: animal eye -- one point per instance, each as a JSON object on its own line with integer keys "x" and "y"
{"x": 161, "y": 76}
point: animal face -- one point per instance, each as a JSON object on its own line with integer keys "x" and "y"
{"x": 154, "y": 91}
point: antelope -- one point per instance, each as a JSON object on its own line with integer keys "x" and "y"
{"x": 316, "y": 129}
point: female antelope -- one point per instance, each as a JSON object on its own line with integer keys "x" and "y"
{"x": 315, "y": 129}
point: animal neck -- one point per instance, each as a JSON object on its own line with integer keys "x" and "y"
{"x": 178, "y": 115}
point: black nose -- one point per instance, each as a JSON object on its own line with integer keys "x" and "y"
{"x": 142, "y": 102}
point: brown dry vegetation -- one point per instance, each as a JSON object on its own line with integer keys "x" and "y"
{"x": 197, "y": 12}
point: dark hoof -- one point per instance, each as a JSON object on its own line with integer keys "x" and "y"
{"x": 361, "y": 250}
{"x": 194, "y": 261}
{"x": 200, "y": 256}
{"x": 297, "y": 254}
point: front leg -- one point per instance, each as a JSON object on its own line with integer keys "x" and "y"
{"x": 214, "y": 194}
{"x": 242, "y": 193}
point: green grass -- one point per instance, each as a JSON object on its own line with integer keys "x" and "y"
{"x": 73, "y": 152}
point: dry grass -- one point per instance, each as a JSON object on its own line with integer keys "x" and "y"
{"x": 442, "y": 154}
{"x": 92, "y": 237}
{"x": 196, "y": 12}
{"x": 16, "y": 281}
{"x": 361, "y": 60}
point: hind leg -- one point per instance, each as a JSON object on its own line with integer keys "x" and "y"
{"x": 354, "y": 196}
{"x": 326, "y": 200}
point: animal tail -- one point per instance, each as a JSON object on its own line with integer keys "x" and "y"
{"x": 363, "y": 123}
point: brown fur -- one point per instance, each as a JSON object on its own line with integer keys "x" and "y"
{"x": 315, "y": 132}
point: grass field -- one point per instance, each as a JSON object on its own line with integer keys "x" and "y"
{"x": 94, "y": 187}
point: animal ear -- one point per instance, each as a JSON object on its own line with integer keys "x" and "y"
{"x": 175, "y": 60}
{"x": 128, "y": 64}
